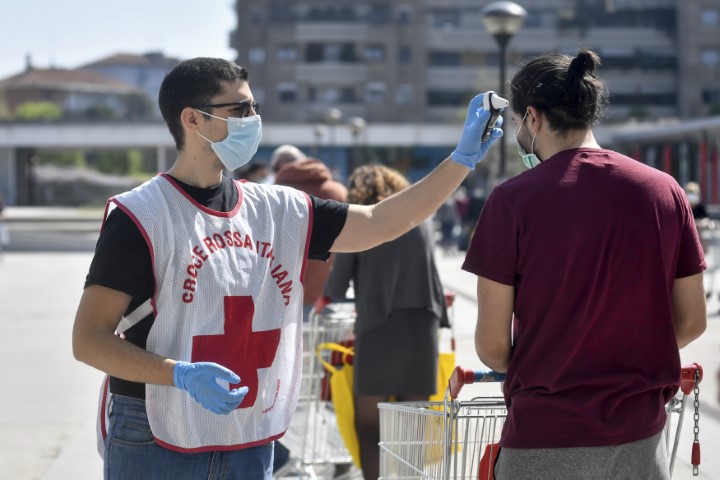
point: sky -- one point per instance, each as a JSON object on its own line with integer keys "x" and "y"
{"x": 71, "y": 33}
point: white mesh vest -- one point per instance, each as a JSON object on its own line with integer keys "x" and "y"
{"x": 229, "y": 291}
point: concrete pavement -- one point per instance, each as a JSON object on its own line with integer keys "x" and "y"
{"x": 49, "y": 400}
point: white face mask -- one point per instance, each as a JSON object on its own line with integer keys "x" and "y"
{"x": 241, "y": 143}
{"x": 693, "y": 198}
{"x": 530, "y": 160}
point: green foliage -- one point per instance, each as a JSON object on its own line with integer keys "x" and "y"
{"x": 64, "y": 159}
{"x": 34, "y": 111}
{"x": 130, "y": 162}
{"x": 100, "y": 111}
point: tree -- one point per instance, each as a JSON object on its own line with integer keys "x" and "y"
{"x": 34, "y": 111}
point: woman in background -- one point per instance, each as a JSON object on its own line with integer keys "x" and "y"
{"x": 400, "y": 305}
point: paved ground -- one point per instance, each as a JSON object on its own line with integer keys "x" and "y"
{"x": 48, "y": 404}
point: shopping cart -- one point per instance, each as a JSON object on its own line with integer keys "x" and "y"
{"x": 446, "y": 440}
{"x": 313, "y": 437}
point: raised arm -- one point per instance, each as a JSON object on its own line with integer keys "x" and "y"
{"x": 368, "y": 226}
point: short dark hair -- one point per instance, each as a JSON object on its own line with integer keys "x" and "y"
{"x": 192, "y": 83}
{"x": 565, "y": 89}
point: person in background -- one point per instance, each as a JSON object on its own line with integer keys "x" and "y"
{"x": 590, "y": 278}
{"x": 256, "y": 171}
{"x": 400, "y": 304}
{"x": 448, "y": 218}
{"x": 692, "y": 191}
{"x": 700, "y": 214}
{"x": 291, "y": 167}
{"x": 193, "y": 300}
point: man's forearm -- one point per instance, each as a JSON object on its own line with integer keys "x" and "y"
{"x": 120, "y": 358}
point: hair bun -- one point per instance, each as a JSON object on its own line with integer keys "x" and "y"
{"x": 585, "y": 62}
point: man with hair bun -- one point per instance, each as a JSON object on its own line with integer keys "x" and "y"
{"x": 589, "y": 281}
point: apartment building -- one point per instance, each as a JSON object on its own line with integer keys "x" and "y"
{"x": 421, "y": 60}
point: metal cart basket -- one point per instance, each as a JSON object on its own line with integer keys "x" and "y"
{"x": 446, "y": 440}
{"x": 313, "y": 437}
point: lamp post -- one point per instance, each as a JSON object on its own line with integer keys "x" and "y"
{"x": 332, "y": 117}
{"x": 357, "y": 126}
{"x": 502, "y": 20}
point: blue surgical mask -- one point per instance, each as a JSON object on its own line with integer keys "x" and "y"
{"x": 530, "y": 160}
{"x": 241, "y": 143}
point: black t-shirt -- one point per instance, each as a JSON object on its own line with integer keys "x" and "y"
{"x": 122, "y": 259}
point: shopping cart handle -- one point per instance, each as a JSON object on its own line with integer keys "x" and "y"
{"x": 687, "y": 377}
{"x": 462, "y": 376}
{"x": 321, "y": 302}
{"x": 450, "y": 298}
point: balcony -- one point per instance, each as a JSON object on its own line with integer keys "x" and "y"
{"x": 331, "y": 73}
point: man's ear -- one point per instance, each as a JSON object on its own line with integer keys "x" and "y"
{"x": 190, "y": 119}
{"x": 534, "y": 119}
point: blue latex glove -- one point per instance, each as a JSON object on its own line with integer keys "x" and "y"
{"x": 199, "y": 380}
{"x": 470, "y": 149}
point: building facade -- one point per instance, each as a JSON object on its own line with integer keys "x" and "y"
{"x": 421, "y": 60}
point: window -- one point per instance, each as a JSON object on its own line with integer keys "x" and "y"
{"x": 709, "y": 18}
{"x": 256, "y": 55}
{"x": 256, "y": 14}
{"x": 446, "y": 19}
{"x": 331, "y": 95}
{"x": 339, "y": 95}
{"x": 314, "y": 52}
{"x": 445, "y": 98}
{"x": 374, "y": 53}
{"x": 287, "y": 53}
{"x": 444, "y": 59}
{"x": 403, "y": 14}
{"x": 332, "y": 53}
{"x": 711, "y": 96}
{"x": 404, "y": 94}
{"x": 404, "y": 54}
{"x": 347, "y": 95}
{"x": 375, "y": 92}
{"x": 710, "y": 57}
{"x": 287, "y": 92}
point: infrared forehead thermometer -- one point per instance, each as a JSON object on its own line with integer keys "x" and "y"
{"x": 495, "y": 104}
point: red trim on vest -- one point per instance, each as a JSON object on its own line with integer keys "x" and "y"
{"x": 216, "y": 448}
{"x": 307, "y": 239}
{"x": 209, "y": 211}
{"x": 103, "y": 406}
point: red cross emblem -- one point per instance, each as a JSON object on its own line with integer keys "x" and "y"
{"x": 239, "y": 348}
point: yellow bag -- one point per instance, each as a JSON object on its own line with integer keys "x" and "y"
{"x": 446, "y": 363}
{"x": 341, "y": 388}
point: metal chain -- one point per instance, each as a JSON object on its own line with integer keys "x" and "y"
{"x": 696, "y": 415}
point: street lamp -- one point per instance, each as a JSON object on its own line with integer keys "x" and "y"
{"x": 502, "y": 20}
{"x": 332, "y": 117}
{"x": 357, "y": 126}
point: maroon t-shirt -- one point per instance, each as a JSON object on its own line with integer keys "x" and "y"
{"x": 592, "y": 241}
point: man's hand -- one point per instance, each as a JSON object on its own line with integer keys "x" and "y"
{"x": 470, "y": 149}
{"x": 200, "y": 381}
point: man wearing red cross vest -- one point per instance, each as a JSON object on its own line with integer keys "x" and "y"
{"x": 193, "y": 300}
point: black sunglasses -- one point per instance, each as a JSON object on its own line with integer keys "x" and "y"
{"x": 243, "y": 107}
